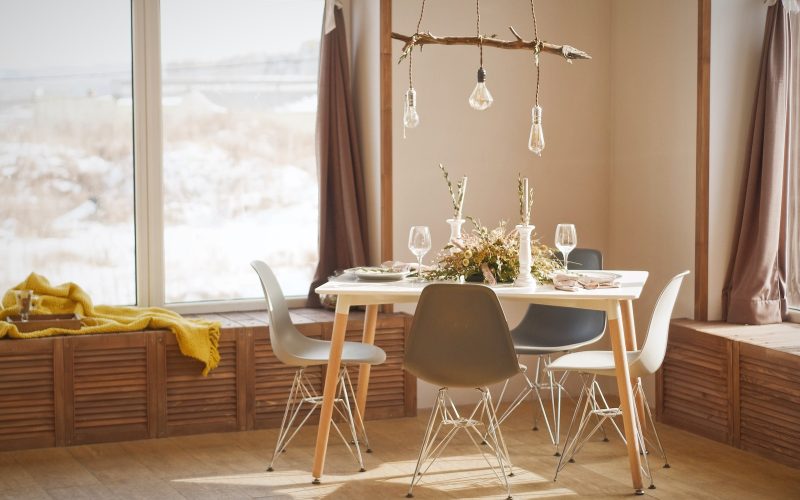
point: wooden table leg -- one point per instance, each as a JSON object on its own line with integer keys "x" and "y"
{"x": 370, "y": 323}
{"x": 631, "y": 344}
{"x": 616, "y": 332}
{"x": 331, "y": 382}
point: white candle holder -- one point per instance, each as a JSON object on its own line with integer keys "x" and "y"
{"x": 455, "y": 233}
{"x": 525, "y": 278}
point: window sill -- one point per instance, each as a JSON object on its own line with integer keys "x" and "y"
{"x": 225, "y": 306}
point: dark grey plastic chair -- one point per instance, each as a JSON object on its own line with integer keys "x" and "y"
{"x": 548, "y": 330}
{"x": 460, "y": 338}
{"x": 295, "y": 349}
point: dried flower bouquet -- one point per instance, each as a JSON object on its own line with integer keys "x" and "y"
{"x": 495, "y": 250}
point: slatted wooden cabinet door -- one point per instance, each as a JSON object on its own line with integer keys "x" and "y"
{"x": 197, "y": 404}
{"x": 695, "y": 384}
{"x": 769, "y": 403}
{"x": 106, "y": 388}
{"x": 27, "y": 395}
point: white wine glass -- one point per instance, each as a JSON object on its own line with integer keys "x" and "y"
{"x": 419, "y": 242}
{"x": 566, "y": 240}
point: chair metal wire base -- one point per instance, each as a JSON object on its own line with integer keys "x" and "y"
{"x": 445, "y": 415}
{"x": 303, "y": 402}
{"x": 592, "y": 403}
{"x": 543, "y": 381}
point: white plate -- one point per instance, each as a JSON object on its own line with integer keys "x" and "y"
{"x": 377, "y": 274}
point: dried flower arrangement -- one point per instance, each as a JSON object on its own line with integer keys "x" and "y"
{"x": 456, "y": 198}
{"x": 495, "y": 251}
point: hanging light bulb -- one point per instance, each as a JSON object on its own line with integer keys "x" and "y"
{"x": 481, "y": 98}
{"x": 410, "y": 117}
{"x": 536, "y": 140}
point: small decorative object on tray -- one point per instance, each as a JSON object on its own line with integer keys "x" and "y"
{"x": 27, "y": 301}
{"x": 498, "y": 249}
{"x": 36, "y": 322}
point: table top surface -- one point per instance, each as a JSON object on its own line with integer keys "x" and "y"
{"x": 631, "y": 285}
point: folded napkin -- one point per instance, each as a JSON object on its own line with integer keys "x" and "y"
{"x": 573, "y": 282}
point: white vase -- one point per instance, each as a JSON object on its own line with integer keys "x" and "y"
{"x": 455, "y": 234}
{"x": 525, "y": 278}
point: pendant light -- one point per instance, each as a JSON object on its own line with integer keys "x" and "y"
{"x": 536, "y": 136}
{"x": 480, "y": 98}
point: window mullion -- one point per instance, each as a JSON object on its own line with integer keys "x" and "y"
{"x": 148, "y": 152}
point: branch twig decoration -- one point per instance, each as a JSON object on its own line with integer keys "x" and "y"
{"x": 568, "y": 52}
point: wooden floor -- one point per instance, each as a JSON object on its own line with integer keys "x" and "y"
{"x": 231, "y": 465}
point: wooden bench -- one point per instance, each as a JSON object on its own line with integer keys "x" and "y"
{"x": 70, "y": 390}
{"x": 735, "y": 384}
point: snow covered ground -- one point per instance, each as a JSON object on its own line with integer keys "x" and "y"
{"x": 239, "y": 184}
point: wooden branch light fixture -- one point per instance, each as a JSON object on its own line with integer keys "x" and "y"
{"x": 481, "y": 98}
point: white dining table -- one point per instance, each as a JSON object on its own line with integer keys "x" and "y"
{"x": 616, "y": 302}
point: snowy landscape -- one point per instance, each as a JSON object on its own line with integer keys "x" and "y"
{"x": 239, "y": 177}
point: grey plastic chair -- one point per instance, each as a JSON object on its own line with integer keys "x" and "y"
{"x": 295, "y": 349}
{"x": 647, "y": 361}
{"x": 548, "y": 330}
{"x": 460, "y": 338}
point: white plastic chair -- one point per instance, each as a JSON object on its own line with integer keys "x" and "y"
{"x": 295, "y": 349}
{"x": 591, "y": 364}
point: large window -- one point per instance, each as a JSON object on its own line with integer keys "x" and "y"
{"x": 66, "y": 145}
{"x": 239, "y": 86}
{"x": 224, "y": 97}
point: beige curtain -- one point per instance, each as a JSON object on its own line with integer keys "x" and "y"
{"x": 756, "y": 291}
{"x": 342, "y": 201}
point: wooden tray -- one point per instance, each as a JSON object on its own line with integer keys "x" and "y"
{"x": 44, "y": 321}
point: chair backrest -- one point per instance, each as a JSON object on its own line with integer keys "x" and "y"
{"x": 583, "y": 259}
{"x": 285, "y": 340}
{"x": 459, "y": 337}
{"x": 550, "y": 326}
{"x": 655, "y": 345}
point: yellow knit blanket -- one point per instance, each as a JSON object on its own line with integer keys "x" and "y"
{"x": 196, "y": 338}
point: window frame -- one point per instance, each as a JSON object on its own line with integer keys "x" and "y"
{"x": 148, "y": 172}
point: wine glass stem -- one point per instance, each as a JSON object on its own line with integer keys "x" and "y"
{"x": 566, "y": 261}
{"x": 419, "y": 268}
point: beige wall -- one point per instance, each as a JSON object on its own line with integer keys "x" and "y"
{"x": 737, "y": 31}
{"x": 654, "y": 85}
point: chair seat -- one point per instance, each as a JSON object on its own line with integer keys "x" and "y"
{"x": 595, "y": 362}
{"x": 318, "y": 353}
{"x": 523, "y": 344}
